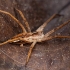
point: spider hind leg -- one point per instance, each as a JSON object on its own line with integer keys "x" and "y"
{"x": 30, "y": 51}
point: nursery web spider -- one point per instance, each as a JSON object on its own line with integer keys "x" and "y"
{"x": 33, "y": 37}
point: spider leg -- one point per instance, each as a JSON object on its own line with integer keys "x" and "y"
{"x": 55, "y": 29}
{"x": 45, "y": 23}
{"x": 24, "y": 30}
{"x": 9, "y": 41}
{"x": 51, "y": 37}
{"x": 29, "y": 53}
{"x": 61, "y": 36}
{"x": 19, "y": 35}
{"x": 23, "y": 17}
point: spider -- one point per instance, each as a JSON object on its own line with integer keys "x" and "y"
{"x": 33, "y": 37}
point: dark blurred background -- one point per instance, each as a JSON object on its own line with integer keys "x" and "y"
{"x": 48, "y": 55}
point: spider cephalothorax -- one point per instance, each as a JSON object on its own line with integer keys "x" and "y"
{"x": 33, "y": 37}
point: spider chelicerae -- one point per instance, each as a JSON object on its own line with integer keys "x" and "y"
{"x": 33, "y": 37}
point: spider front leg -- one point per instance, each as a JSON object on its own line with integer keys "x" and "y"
{"x": 45, "y": 23}
{"x": 47, "y": 35}
{"x": 7, "y": 13}
{"x": 29, "y": 53}
{"x": 60, "y": 36}
{"x": 56, "y": 36}
{"x": 26, "y": 23}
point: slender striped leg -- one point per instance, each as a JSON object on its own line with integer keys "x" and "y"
{"x": 45, "y": 23}
{"x": 9, "y": 41}
{"x": 52, "y": 37}
{"x": 7, "y": 13}
{"x": 14, "y": 40}
{"x": 55, "y": 29}
{"x": 19, "y": 35}
{"x": 26, "y": 23}
{"x": 30, "y": 51}
{"x": 61, "y": 37}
